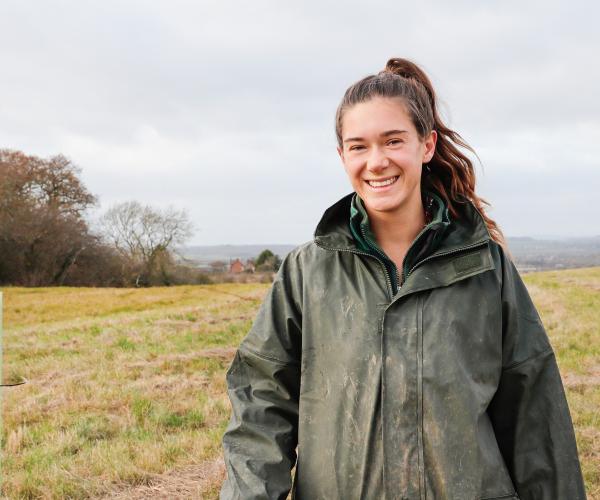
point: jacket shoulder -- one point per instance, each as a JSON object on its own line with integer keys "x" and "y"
{"x": 305, "y": 256}
{"x": 503, "y": 260}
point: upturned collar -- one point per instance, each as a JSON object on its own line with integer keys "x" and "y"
{"x": 334, "y": 230}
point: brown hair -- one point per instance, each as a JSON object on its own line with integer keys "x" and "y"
{"x": 450, "y": 172}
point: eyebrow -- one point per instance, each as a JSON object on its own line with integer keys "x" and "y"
{"x": 384, "y": 134}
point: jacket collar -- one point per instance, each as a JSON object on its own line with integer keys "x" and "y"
{"x": 334, "y": 232}
{"x": 361, "y": 227}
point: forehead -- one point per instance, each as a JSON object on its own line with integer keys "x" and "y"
{"x": 375, "y": 115}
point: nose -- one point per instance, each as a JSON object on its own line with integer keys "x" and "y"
{"x": 377, "y": 160}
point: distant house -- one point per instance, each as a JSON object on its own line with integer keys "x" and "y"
{"x": 236, "y": 266}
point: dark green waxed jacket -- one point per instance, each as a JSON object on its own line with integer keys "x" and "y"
{"x": 442, "y": 387}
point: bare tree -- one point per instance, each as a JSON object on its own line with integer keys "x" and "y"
{"x": 146, "y": 237}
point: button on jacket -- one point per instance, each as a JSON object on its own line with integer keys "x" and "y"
{"x": 436, "y": 381}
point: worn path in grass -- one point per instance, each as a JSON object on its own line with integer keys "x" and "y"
{"x": 126, "y": 395}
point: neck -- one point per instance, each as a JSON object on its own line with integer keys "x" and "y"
{"x": 400, "y": 227}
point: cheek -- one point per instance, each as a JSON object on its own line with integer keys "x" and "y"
{"x": 352, "y": 168}
{"x": 411, "y": 163}
{"x": 406, "y": 156}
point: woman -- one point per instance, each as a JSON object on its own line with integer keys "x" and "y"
{"x": 398, "y": 355}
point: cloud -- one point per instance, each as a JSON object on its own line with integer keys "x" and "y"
{"x": 228, "y": 110}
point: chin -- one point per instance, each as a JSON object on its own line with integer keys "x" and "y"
{"x": 382, "y": 205}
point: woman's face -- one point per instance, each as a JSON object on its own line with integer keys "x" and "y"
{"x": 383, "y": 155}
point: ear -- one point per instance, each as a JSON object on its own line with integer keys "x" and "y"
{"x": 430, "y": 143}
{"x": 340, "y": 152}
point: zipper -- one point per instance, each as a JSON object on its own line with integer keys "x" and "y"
{"x": 402, "y": 278}
{"x": 374, "y": 244}
{"x": 384, "y": 258}
{"x": 399, "y": 276}
{"x": 359, "y": 252}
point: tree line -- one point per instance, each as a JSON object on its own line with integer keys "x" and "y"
{"x": 46, "y": 240}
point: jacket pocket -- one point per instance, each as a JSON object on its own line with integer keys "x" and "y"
{"x": 511, "y": 496}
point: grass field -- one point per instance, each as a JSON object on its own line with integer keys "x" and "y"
{"x": 125, "y": 394}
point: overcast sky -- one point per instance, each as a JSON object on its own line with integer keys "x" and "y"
{"x": 226, "y": 109}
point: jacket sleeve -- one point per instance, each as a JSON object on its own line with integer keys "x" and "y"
{"x": 263, "y": 385}
{"x": 529, "y": 411}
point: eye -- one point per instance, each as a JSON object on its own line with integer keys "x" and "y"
{"x": 393, "y": 142}
{"x": 354, "y": 148}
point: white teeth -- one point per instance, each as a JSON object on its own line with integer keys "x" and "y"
{"x": 382, "y": 183}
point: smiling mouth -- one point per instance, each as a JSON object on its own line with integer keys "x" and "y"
{"x": 384, "y": 183}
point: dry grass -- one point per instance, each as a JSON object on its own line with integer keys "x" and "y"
{"x": 569, "y": 304}
{"x": 126, "y": 394}
{"x": 195, "y": 481}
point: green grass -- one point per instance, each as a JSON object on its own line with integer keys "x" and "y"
{"x": 127, "y": 387}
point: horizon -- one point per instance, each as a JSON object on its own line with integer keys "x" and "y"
{"x": 538, "y": 237}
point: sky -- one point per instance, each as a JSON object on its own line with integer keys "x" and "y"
{"x": 226, "y": 109}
